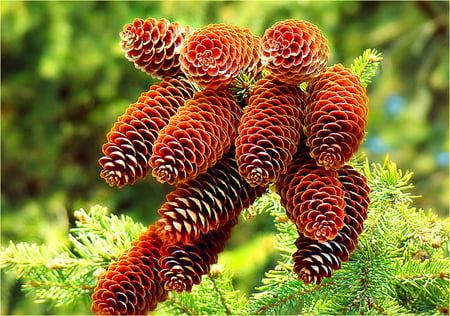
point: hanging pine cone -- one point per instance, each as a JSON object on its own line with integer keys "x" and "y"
{"x": 154, "y": 46}
{"x": 131, "y": 286}
{"x": 313, "y": 198}
{"x": 294, "y": 51}
{"x": 130, "y": 141}
{"x": 182, "y": 265}
{"x": 205, "y": 203}
{"x": 196, "y": 137}
{"x": 269, "y": 131}
{"x": 313, "y": 260}
{"x": 215, "y": 54}
{"x": 335, "y": 118}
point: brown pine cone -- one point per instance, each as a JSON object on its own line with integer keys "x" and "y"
{"x": 335, "y": 117}
{"x": 206, "y": 202}
{"x": 154, "y": 46}
{"x": 182, "y": 265}
{"x": 269, "y": 131}
{"x": 313, "y": 198}
{"x": 294, "y": 51}
{"x": 215, "y": 54}
{"x": 130, "y": 141}
{"x": 131, "y": 285}
{"x": 196, "y": 137}
{"x": 314, "y": 260}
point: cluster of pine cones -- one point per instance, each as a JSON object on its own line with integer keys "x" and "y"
{"x": 221, "y": 140}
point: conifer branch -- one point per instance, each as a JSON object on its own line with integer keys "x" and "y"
{"x": 366, "y": 65}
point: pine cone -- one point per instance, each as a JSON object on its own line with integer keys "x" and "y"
{"x": 154, "y": 46}
{"x": 130, "y": 141}
{"x": 215, "y": 54}
{"x": 335, "y": 117}
{"x": 269, "y": 131}
{"x": 313, "y": 198}
{"x": 132, "y": 286}
{"x": 314, "y": 260}
{"x": 196, "y": 137}
{"x": 294, "y": 51}
{"x": 182, "y": 265}
{"x": 206, "y": 202}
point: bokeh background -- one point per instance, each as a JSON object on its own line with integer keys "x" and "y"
{"x": 64, "y": 82}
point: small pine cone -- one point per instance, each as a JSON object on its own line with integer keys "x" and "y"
{"x": 215, "y": 54}
{"x": 130, "y": 141}
{"x": 294, "y": 51}
{"x": 206, "y": 202}
{"x": 182, "y": 265}
{"x": 154, "y": 46}
{"x": 131, "y": 285}
{"x": 335, "y": 117}
{"x": 313, "y": 198}
{"x": 269, "y": 131}
{"x": 196, "y": 137}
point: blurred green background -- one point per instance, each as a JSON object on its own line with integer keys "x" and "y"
{"x": 64, "y": 81}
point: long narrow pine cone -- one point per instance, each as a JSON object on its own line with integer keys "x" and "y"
{"x": 131, "y": 285}
{"x": 154, "y": 46}
{"x": 314, "y": 260}
{"x": 130, "y": 141}
{"x": 215, "y": 54}
{"x": 269, "y": 131}
{"x": 313, "y": 198}
{"x": 196, "y": 137}
{"x": 335, "y": 118}
{"x": 206, "y": 202}
{"x": 183, "y": 265}
{"x": 294, "y": 51}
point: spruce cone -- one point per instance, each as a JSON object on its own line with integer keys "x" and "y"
{"x": 335, "y": 118}
{"x": 206, "y": 202}
{"x": 196, "y": 137}
{"x": 182, "y": 265}
{"x": 269, "y": 131}
{"x": 215, "y": 54}
{"x": 132, "y": 286}
{"x": 154, "y": 46}
{"x": 313, "y": 199}
{"x": 313, "y": 260}
{"x": 294, "y": 51}
{"x": 130, "y": 141}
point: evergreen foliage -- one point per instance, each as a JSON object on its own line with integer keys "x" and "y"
{"x": 401, "y": 264}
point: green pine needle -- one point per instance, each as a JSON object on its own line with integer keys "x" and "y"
{"x": 366, "y": 65}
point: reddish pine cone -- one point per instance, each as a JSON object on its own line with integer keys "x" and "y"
{"x": 206, "y": 202}
{"x": 269, "y": 131}
{"x": 215, "y": 54}
{"x": 313, "y": 198}
{"x": 196, "y": 137}
{"x": 313, "y": 260}
{"x": 154, "y": 46}
{"x": 130, "y": 141}
{"x": 182, "y": 265}
{"x": 131, "y": 286}
{"x": 294, "y": 51}
{"x": 335, "y": 118}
